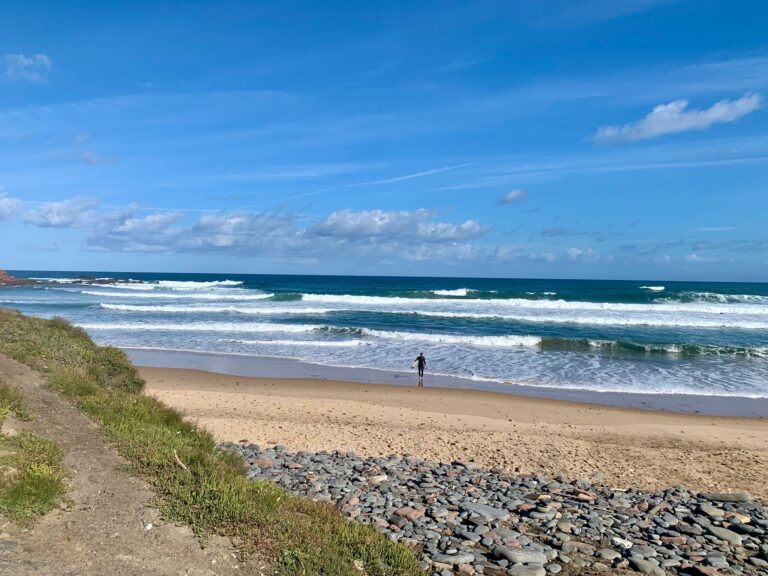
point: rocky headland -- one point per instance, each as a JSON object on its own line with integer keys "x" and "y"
{"x": 8, "y": 280}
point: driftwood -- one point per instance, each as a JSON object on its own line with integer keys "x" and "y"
{"x": 179, "y": 462}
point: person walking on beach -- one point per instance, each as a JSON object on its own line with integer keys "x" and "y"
{"x": 420, "y": 363}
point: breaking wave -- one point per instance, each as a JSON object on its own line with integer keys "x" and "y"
{"x": 495, "y": 307}
{"x": 127, "y": 286}
{"x": 211, "y": 309}
{"x": 492, "y": 341}
{"x": 659, "y": 321}
{"x": 456, "y": 292}
{"x": 716, "y": 297}
{"x": 190, "y": 285}
{"x": 317, "y": 343}
{"x": 58, "y": 280}
{"x": 235, "y": 296}
{"x": 202, "y": 327}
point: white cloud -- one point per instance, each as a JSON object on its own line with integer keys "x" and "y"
{"x": 695, "y": 258}
{"x": 369, "y": 223}
{"x": 77, "y": 212}
{"x": 8, "y": 206}
{"x": 123, "y": 231}
{"x": 149, "y": 224}
{"x": 382, "y": 235}
{"x": 32, "y": 69}
{"x": 521, "y": 253}
{"x": 513, "y": 196}
{"x": 395, "y": 225}
{"x": 676, "y": 117}
{"x": 580, "y": 255}
{"x": 251, "y": 232}
{"x": 372, "y": 236}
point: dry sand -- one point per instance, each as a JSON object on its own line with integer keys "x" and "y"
{"x": 617, "y": 447}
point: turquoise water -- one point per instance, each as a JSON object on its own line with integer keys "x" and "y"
{"x": 622, "y": 336}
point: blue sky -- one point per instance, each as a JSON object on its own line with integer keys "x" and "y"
{"x": 579, "y": 139}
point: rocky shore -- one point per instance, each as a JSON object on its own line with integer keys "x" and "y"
{"x": 8, "y": 280}
{"x": 467, "y": 520}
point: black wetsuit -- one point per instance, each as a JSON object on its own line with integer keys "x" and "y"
{"x": 422, "y": 362}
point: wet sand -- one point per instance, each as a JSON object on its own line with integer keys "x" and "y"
{"x": 620, "y": 447}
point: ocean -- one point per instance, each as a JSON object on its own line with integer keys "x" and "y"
{"x": 700, "y": 338}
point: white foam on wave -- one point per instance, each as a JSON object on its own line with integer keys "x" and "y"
{"x": 492, "y": 341}
{"x": 716, "y": 297}
{"x": 654, "y": 288}
{"x": 201, "y": 327}
{"x": 212, "y": 309}
{"x": 456, "y": 292}
{"x": 314, "y": 343}
{"x": 57, "y": 280}
{"x": 368, "y": 300}
{"x": 126, "y": 286}
{"x": 229, "y": 297}
{"x": 191, "y": 285}
{"x": 660, "y": 320}
{"x": 497, "y": 306}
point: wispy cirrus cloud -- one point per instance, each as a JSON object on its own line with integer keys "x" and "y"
{"x": 21, "y": 68}
{"x": 588, "y": 12}
{"x": 677, "y": 117}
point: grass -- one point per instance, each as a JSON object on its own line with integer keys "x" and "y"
{"x": 32, "y": 480}
{"x": 210, "y": 492}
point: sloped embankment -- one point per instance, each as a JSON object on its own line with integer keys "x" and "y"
{"x": 181, "y": 474}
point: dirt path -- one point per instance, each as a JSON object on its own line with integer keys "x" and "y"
{"x": 109, "y": 528}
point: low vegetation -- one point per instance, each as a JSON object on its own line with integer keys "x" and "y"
{"x": 194, "y": 483}
{"x": 32, "y": 480}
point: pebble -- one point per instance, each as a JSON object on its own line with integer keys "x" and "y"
{"x": 608, "y": 554}
{"x": 724, "y": 534}
{"x": 646, "y": 567}
{"x": 467, "y": 520}
{"x": 727, "y": 497}
{"x": 518, "y": 556}
{"x": 453, "y": 558}
{"x": 712, "y": 511}
{"x": 526, "y": 571}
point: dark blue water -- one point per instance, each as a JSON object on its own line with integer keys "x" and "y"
{"x": 632, "y": 336}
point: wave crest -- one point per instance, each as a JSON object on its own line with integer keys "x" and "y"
{"x": 492, "y": 341}
{"x": 191, "y": 285}
{"x": 201, "y": 327}
{"x": 212, "y": 309}
{"x": 718, "y": 298}
{"x": 227, "y": 297}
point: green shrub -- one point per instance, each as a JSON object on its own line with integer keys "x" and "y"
{"x": 32, "y": 481}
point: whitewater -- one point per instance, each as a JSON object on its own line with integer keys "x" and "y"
{"x": 702, "y": 338}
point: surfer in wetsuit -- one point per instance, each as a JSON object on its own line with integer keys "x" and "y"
{"x": 421, "y": 363}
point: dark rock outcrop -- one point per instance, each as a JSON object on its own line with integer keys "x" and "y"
{"x": 8, "y": 280}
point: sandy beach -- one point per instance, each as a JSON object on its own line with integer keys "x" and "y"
{"x": 618, "y": 447}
